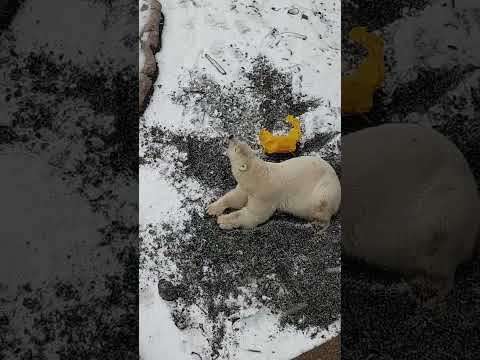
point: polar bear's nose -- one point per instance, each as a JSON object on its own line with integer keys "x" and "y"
{"x": 228, "y": 139}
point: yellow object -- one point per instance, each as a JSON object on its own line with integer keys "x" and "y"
{"x": 281, "y": 144}
{"x": 358, "y": 88}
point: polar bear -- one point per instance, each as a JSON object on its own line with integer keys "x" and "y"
{"x": 410, "y": 204}
{"x": 306, "y": 186}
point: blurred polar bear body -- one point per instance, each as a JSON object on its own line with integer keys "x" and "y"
{"x": 411, "y": 202}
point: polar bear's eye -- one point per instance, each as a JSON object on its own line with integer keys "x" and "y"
{"x": 243, "y": 167}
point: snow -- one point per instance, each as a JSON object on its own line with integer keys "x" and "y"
{"x": 154, "y": 311}
{"x": 159, "y": 335}
{"x": 156, "y": 193}
{"x": 425, "y": 39}
{"x": 210, "y": 27}
{"x": 193, "y": 29}
{"x": 289, "y": 344}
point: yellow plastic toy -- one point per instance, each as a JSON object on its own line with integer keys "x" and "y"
{"x": 281, "y": 144}
{"x": 358, "y": 88}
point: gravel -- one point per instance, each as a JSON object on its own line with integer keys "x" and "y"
{"x": 287, "y": 259}
{"x": 260, "y": 98}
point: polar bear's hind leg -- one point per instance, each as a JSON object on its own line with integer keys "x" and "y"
{"x": 322, "y": 214}
{"x": 326, "y": 202}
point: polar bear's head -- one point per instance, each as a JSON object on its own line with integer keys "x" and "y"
{"x": 241, "y": 157}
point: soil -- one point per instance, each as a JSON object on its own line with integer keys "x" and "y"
{"x": 328, "y": 351}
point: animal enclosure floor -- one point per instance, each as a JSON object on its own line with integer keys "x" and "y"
{"x": 268, "y": 293}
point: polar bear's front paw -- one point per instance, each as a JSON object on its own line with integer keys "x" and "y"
{"x": 227, "y": 226}
{"x": 321, "y": 225}
{"x": 216, "y": 208}
{"x": 227, "y": 222}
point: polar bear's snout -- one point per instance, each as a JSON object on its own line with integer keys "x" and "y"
{"x": 231, "y": 139}
{"x": 228, "y": 139}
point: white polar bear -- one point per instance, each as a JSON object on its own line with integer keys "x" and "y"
{"x": 410, "y": 203}
{"x": 306, "y": 186}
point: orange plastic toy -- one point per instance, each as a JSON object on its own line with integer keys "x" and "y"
{"x": 281, "y": 144}
{"x": 358, "y": 88}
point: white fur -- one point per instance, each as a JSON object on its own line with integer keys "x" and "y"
{"x": 306, "y": 186}
{"x": 410, "y": 202}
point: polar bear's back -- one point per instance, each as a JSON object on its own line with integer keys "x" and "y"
{"x": 305, "y": 171}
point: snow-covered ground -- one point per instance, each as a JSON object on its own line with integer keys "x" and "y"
{"x": 267, "y": 59}
{"x": 233, "y": 33}
{"x": 438, "y": 39}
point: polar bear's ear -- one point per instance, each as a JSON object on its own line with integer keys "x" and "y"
{"x": 243, "y": 167}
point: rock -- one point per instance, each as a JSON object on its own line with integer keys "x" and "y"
{"x": 150, "y": 40}
{"x": 145, "y": 84}
{"x": 150, "y": 64}
{"x": 293, "y": 11}
{"x": 153, "y": 40}
{"x": 168, "y": 291}
{"x": 180, "y": 319}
